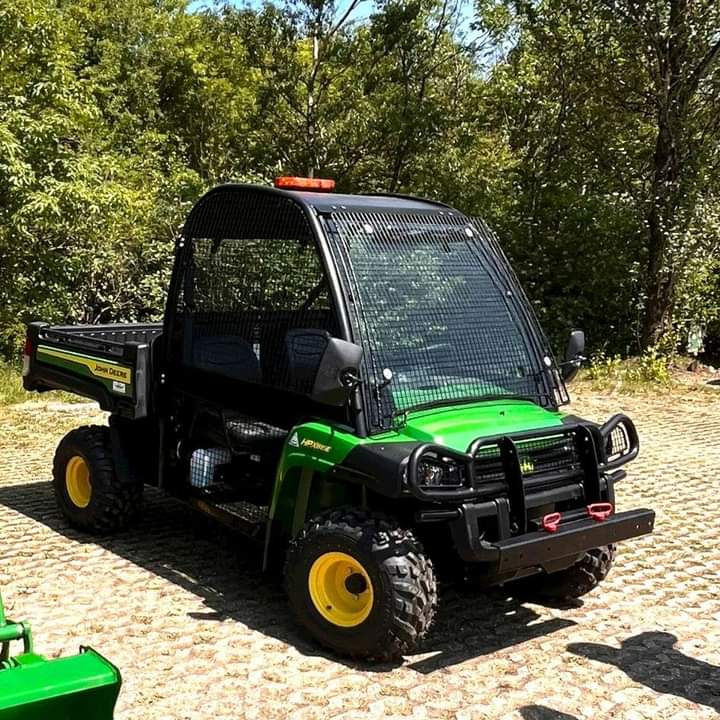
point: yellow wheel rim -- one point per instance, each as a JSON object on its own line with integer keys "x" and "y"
{"x": 77, "y": 481}
{"x": 340, "y": 589}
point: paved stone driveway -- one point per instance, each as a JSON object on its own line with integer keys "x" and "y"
{"x": 199, "y": 634}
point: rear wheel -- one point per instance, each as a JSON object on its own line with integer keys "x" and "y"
{"x": 575, "y": 581}
{"x": 361, "y": 584}
{"x": 86, "y": 488}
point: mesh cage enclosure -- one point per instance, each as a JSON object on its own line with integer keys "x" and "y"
{"x": 240, "y": 212}
{"x": 253, "y": 303}
{"x": 432, "y": 298}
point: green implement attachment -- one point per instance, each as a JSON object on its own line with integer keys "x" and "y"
{"x": 34, "y": 688}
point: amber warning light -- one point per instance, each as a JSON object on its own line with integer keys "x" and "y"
{"x": 303, "y": 183}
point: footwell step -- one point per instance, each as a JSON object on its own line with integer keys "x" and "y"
{"x": 238, "y": 515}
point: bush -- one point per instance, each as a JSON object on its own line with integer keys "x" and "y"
{"x": 11, "y": 389}
{"x": 652, "y": 367}
{"x": 611, "y": 372}
{"x": 604, "y": 369}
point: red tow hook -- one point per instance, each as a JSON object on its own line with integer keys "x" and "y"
{"x": 551, "y": 521}
{"x": 600, "y": 511}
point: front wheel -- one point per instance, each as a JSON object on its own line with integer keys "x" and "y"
{"x": 573, "y": 582}
{"x": 361, "y": 584}
{"x": 87, "y": 490}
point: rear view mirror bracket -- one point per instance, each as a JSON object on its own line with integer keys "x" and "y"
{"x": 574, "y": 355}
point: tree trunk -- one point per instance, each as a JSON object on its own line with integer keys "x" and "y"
{"x": 660, "y": 277}
{"x": 311, "y": 111}
{"x": 671, "y": 116}
{"x": 658, "y": 307}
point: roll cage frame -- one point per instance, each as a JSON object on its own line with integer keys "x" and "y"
{"x": 318, "y": 209}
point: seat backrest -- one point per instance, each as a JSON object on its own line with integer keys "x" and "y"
{"x": 278, "y": 360}
{"x": 304, "y": 348}
{"x": 229, "y": 355}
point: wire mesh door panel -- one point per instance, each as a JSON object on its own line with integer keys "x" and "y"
{"x": 253, "y": 303}
{"x": 431, "y": 300}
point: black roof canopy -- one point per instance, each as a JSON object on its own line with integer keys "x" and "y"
{"x": 230, "y": 210}
{"x": 376, "y": 202}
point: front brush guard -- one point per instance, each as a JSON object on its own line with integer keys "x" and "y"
{"x": 591, "y": 443}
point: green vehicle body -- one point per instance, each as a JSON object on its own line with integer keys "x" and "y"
{"x": 35, "y": 688}
{"x": 322, "y": 447}
{"x": 321, "y": 352}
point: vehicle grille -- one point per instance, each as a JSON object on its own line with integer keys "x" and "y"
{"x": 537, "y": 457}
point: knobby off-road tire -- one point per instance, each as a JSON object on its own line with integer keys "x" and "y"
{"x": 575, "y": 581}
{"x": 346, "y": 551}
{"x": 87, "y": 490}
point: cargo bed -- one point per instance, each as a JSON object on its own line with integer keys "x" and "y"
{"x": 108, "y": 363}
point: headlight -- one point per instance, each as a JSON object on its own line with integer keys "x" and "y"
{"x": 617, "y": 443}
{"x": 443, "y": 471}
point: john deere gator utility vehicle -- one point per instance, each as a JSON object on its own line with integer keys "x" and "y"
{"x": 34, "y": 688}
{"x": 359, "y": 383}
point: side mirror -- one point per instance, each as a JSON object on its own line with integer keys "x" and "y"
{"x": 338, "y": 373}
{"x": 574, "y": 355}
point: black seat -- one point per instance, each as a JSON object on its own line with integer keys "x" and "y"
{"x": 228, "y": 355}
{"x": 304, "y": 349}
{"x": 246, "y": 434}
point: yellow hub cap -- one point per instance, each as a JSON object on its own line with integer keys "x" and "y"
{"x": 340, "y": 589}
{"x": 77, "y": 481}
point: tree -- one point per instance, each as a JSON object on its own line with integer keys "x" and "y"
{"x": 678, "y": 43}
{"x": 92, "y": 191}
{"x": 623, "y": 98}
{"x": 304, "y": 56}
{"x": 587, "y": 133}
{"x": 570, "y": 220}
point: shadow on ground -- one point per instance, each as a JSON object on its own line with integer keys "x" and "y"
{"x": 540, "y": 712}
{"x": 223, "y": 569}
{"x": 651, "y": 659}
{"x": 471, "y": 623}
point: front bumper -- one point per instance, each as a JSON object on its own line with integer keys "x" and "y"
{"x": 498, "y": 515}
{"x": 542, "y": 549}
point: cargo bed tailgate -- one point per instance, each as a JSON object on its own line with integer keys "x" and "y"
{"x": 108, "y": 363}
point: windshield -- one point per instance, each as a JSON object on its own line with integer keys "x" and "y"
{"x": 433, "y": 301}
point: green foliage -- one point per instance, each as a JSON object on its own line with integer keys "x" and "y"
{"x": 11, "y": 389}
{"x": 115, "y": 117}
{"x": 697, "y": 296}
{"x": 604, "y": 368}
{"x": 649, "y": 370}
{"x": 92, "y": 188}
{"x": 612, "y": 108}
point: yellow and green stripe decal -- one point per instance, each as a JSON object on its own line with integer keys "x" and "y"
{"x": 116, "y": 377}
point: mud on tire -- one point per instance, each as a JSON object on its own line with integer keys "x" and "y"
{"x": 402, "y": 580}
{"x": 112, "y": 505}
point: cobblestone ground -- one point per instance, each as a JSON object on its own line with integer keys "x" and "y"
{"x": 198, "y": 633}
